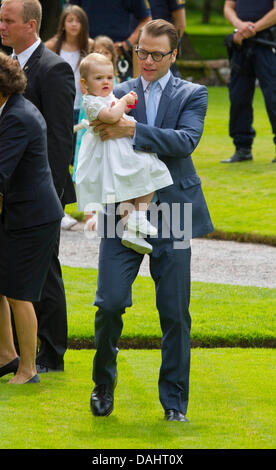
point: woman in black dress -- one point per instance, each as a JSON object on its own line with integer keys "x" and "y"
{"x": 30, "y": 214}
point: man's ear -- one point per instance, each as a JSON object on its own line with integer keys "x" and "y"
{"x": 174, "y": 54}
{"x": 32, "y": 25}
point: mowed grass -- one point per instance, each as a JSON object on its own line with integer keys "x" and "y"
{"x": 241, "y": 197}
{"x": 217, "y": 25}
{"x": 221, "y": 314}
{"x": 232, "y": 398}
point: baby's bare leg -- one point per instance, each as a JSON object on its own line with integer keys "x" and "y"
{"x": 125, "y": 208}
{"x": 141, "y": 203}
{"x": 135, "y": 206}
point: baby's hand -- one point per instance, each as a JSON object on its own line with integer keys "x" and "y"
{"x": 131, "y": 99}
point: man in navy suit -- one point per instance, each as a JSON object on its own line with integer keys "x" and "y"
{"x": 51, "y": 88}
{"x": 181, "y": 108}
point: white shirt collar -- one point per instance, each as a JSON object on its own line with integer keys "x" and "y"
{"x": 24, "y": 56}
{"x": 162, "y": 81}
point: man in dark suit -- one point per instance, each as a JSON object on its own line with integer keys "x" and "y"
{"x": 50, "y": 86}
{"x": 249, "y": 61}
{"x": 173, "y": 135}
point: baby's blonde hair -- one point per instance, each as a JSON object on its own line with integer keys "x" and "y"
{"x": 90, "y": 60}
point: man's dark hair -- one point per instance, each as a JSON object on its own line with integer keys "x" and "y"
{"x": 158, "y": 28}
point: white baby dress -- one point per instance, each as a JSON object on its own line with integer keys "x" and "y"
{"x": 112, "y": 171}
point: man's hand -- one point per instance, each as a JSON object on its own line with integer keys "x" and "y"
{"x": 238, "y": 38}
{"x": 122, "y": 128}
{"x": 246, "y": 30}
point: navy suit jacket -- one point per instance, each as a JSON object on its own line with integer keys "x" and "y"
{"x": 51, "y": 88}
{"x": 29, "y": 195}
{"x": 177, "y": 131}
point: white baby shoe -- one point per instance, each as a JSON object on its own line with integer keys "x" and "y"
{"x": 136, "y": 243}
{"x": 137, "y": 222}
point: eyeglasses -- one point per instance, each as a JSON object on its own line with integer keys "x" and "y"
{"x": 157, "y": 56}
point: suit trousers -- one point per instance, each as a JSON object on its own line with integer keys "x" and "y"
{"x": 249, "y": 63}
{"x": 170, "y": 270}
{"x": 51, "y": 312}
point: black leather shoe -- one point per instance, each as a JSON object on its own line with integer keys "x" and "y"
{"x": 174, "y": 415}
{"x": 44, "y": 369}
{"x": 10, "y": 367}
{"x": 274, "y": 160}
{"x": 241, "y": 155}
{"x": 102, "y": 399}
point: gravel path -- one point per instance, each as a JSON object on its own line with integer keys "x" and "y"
{"x": 222, "y": 262}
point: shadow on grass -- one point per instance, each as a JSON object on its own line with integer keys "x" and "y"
{"x": 152, "y": 435}
{"x": 155, "y": 342}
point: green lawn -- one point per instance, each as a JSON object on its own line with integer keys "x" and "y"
{"x": 218, "y": 25}
{"x": 208, "y": 47}
{"x": 208, "y": 39}
{"x": 241, "y": 197}
{"x": 221, "y": 314}
{"x": 232, "y": 405}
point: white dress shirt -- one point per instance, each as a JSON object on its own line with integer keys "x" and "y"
{"x": 162, "y": 82}
{"x": 146, "y": 88}
{"x": 24, "y": 56}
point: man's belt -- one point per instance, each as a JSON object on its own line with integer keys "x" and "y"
{"x": 269, "y": 34}
{"x": 267, "y": 37}
{"x": 247, "y": 42}
{"x": 259, "y": 40}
